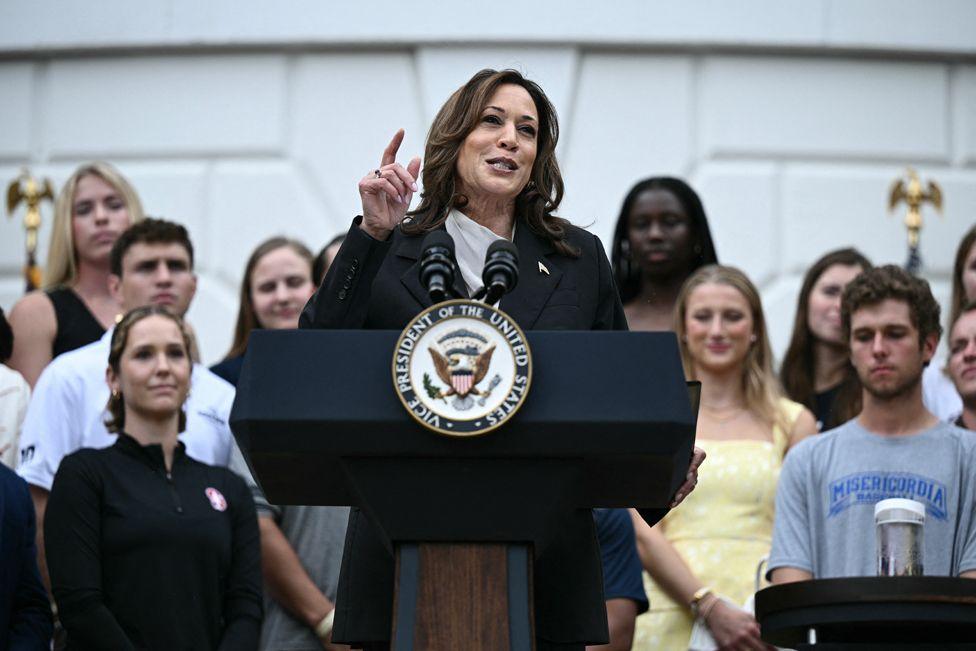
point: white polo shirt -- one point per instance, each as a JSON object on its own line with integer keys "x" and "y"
{"x": 68, "y": 411}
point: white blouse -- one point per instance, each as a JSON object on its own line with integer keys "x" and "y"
{"x": 471, "y": 242}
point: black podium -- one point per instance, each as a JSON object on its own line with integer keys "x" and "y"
{"x": 870, "y": 614}
{"x": 608, "y": 423}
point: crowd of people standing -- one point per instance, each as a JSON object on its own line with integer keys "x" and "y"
{"x": 136, "y": 517}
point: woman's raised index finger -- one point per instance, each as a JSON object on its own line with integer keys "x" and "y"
{"x": 389, "y": 154}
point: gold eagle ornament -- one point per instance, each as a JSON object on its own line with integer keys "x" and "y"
{"x": 25, "y": 189}
{"x": 914, "y": 194}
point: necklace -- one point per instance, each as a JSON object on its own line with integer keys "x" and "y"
{"x": 714, "y": 414}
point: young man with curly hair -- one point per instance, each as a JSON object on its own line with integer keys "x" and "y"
{"x": 894, "y": 447}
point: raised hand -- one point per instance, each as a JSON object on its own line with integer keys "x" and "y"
{"x": 386, "y": 191}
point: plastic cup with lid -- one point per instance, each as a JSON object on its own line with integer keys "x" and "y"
{"x": 899, "y": 525}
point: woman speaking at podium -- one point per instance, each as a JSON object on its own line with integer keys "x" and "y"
{"x": 490, "y": 173}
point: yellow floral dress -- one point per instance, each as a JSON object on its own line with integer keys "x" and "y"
{"x": 722, "y": 530}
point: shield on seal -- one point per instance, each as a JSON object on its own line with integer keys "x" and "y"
{"x": 461, "y": 381}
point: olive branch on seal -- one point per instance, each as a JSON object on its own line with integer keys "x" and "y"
{"x": 432, "y": 391}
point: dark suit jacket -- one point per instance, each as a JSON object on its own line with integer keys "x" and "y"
{"x": 25, "y": 613}
{"x": 376, "y": 285}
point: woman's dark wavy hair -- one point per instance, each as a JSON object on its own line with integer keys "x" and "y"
{"x": 459, "y": 116}
{"x": 320, "y": 266}
{"x": 625, "y": 271}
{"x": 959, "y": 297}
{"x": 797, "y": 370}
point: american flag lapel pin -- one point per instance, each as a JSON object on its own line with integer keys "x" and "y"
{"x": 542, "y": 268}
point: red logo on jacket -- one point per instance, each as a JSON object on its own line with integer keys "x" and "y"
{"x": 216, "y": 498}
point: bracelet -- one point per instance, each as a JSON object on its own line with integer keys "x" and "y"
{"x": 697, "y": 598}
{"x": 324, "y": 627}
{"x": 707, "y": 610}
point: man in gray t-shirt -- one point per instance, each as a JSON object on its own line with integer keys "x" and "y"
{"x": 830, "y": 484}
{"x": 895, "y": 447}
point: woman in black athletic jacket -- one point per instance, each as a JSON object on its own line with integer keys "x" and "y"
{"x": 146, "y": 547}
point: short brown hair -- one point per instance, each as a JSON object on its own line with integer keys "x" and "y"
{"x": 459, "y": 116}
{"x": 149, "y": 231}
{"x": 872, "y": 286}
{"x": 120, "y": 338}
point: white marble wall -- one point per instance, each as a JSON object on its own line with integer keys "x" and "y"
{"x": 791, "y": 118}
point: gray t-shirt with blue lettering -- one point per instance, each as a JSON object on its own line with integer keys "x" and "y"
{"x": 831, "y": 482}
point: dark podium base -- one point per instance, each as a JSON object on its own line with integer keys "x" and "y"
{"x": 868, "y": 613}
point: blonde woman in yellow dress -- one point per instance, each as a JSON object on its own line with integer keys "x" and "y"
{"x": 703, "y": 556}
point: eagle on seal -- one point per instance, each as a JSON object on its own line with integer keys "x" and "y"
{"x": 461, "y": 370}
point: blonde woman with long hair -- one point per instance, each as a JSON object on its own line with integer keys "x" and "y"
{"x": 74, "y": 306}
{"x": 703, "y": 556}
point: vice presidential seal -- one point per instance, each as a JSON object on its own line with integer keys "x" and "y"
{"x": 462, "y": 368}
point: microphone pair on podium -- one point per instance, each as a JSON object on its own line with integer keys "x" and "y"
{"x": 438, "y": 268}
